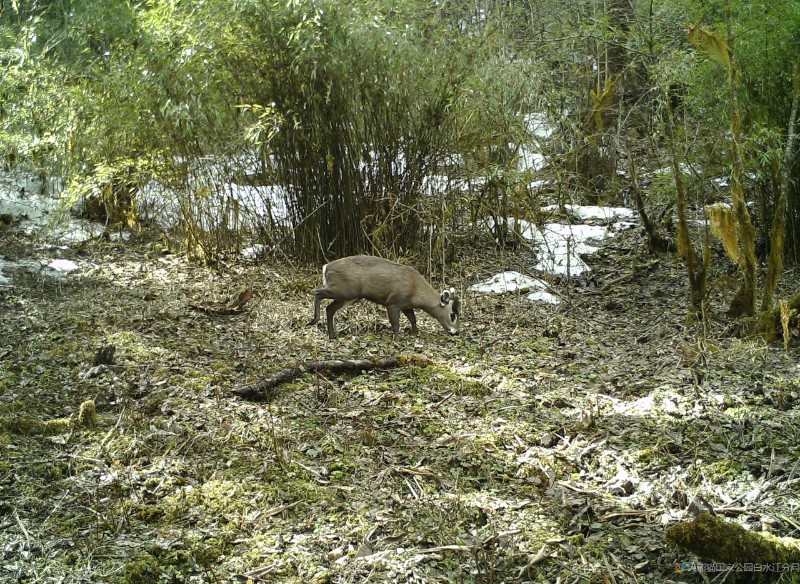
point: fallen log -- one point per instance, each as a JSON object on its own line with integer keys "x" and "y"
{"x": 717, "y": 540}
{"x": 262, "y": 390}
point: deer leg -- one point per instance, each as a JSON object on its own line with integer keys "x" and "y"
{"x": 317, "y": 300}
{"x": 332, "y": 309}
{"x": 412, "y": 318}
{"x": 394, "y": 320}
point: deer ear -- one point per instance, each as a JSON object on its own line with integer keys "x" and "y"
{"x": 445, "y": 297}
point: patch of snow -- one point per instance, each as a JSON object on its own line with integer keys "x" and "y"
{"x": 587, "y": 212}
{"x": 254, "y": 251}
{"x": 543, "y": 296}
{"x": 623, "y": 225}
{"x": 119, "y": 236}
{"x": 537, "y": 184}
{"x": 240, "y": 203}
{"x": 560, "y": 247}
{"x": 57, "y": 268}
{"x": 507, "y": 282}
{"x": 63, "y": 265}
{"x": 525, "y": 229}
{"x": 538, "y": 124}
{"x": 22, "y": 195}
{"x": 435, "y": 183}
{"x": 261, "y": 201}
{"x": 640, "y": 407}
{"x": 515, "y": 282}
{"x": 158, "y": 204}
{"x": 76, "y": 231}
{"x": 31, "y": 266}
{"x": 530, "y": 159}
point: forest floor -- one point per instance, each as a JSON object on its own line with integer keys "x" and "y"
{"x": 545, "y": 443}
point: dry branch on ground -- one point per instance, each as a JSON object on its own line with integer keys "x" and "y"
{"x": 261, "y": 389}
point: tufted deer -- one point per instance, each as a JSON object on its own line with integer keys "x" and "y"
{"x": 399, "y": 288}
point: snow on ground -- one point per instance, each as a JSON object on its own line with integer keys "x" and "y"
{"x": 246, "y": 204}
{"x": 261, "y": 201}
{"x": 507, "y": 282}
{"x": 543, "y": 296}
{"x": 516, "y": 282}
{"x": 41, "y": 214}
{"x": 530, "y": 159}
{"x": 559, "y": 247}
{"x": 255, "y": 252}
{"x": 154, "y": 205}
{"x": 538, "y": 184}
{"x": 63, "y": 266}
{"x": 57, "y": 268}
{"x": 538, "y": 125}
{"x": 594, "y": 212}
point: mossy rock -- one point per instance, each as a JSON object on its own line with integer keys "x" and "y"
{"x": 87, "y": 414}
{"x": 142, "y": 570}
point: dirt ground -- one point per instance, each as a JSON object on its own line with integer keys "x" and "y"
{"x": 545, "y": 443}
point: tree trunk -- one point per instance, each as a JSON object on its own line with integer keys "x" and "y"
{"x": 778, "y": 232}
{"x": 596, "y": 161}
{"x": 744, "y": 303}
{"x": 656, "y": 241}
{"x": 696, "y": 271}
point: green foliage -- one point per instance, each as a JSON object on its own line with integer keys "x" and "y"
{"x": 349, "y": 107}
{"x": 766, "y": 40}
{"x": 360, "y": 104}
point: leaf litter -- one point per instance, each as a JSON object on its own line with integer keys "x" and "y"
{"x": 544, "y": 443}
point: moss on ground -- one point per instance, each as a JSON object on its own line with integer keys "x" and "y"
{"x": 546, "y": 432}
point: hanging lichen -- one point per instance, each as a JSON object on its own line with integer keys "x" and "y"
{"x": 778, "y": 232}
{"x": 710, "y": 43}
{"x": 602, "y": 100}
{"x": 786, "y": 317}
{"x": 743, "y": 303}
{"x": 723, "y": 226}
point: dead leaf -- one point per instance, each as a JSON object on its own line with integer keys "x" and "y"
{"x": 214, "y": 307}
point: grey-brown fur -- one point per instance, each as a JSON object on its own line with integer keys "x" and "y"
{"x": 397, "y": 287}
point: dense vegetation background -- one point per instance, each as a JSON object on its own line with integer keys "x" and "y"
{"x": 390, "y": 128}
{"x": 405, "y": 129}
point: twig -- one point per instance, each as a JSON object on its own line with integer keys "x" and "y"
{"x": 446, "y": 548}
{"x": 22, "y": 527}
{"x": 538, "y": 558}
{"x": 279, "y": 509}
